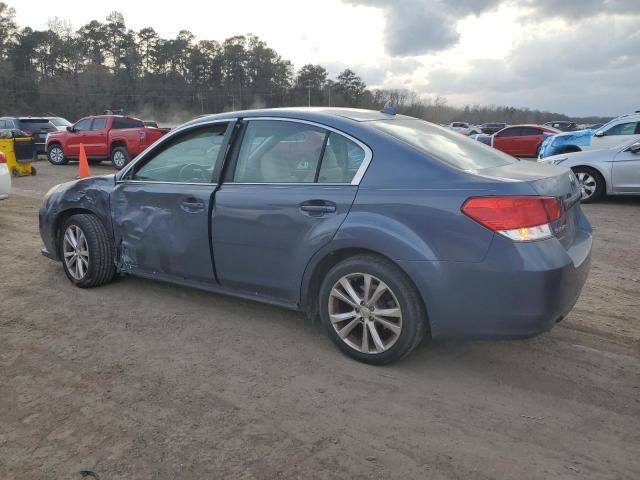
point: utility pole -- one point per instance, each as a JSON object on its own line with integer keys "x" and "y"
{"x": 309, "y": 85}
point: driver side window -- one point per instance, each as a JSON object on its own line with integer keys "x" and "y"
{"x": 188, "y": 158}
{"x": 83, "y": 125}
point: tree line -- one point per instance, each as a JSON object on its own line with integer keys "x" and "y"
{"x": 107, "y": 66}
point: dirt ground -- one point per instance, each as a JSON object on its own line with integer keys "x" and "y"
{"x": 144, "y": 380}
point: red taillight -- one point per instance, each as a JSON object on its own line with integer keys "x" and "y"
{"x": 3, "y": 158}
{"x": 515, "y": 217}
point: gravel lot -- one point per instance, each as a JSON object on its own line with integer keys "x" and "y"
{"x": 143, "y": 380}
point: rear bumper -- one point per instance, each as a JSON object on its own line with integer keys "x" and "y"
{"x": 519, "y": 290}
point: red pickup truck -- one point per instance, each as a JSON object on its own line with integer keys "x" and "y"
{"x": 105, "y": 137}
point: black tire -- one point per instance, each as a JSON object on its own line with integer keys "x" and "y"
{"x": 120, "y": 157}
{"x": 53, "y": 155}
{"x": 583, "y": 173}
{"x": 414, "y": 318}
{"x": 100, "y": 269}
{"x": 34, "y": 171}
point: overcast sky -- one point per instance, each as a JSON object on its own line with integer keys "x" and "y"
{"x": 580, "y": 57}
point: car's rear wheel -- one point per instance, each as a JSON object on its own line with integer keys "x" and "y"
{"x": 371, "y": 310}
{"x": 86, "y": 251}
{"x": 120, "y": 157}
{"x": 55, "y": 155}
{"x": 592, "y": 184}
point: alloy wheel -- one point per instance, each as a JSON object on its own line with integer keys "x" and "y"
{"x": 365, "y": 313}
{"x": 76, "y": 252}
{"x": 119, "y": 159}
{"x": 588, "y": 185}
{"x": 56, "y": 155}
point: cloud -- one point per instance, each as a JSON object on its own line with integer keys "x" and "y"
{"x": 418, "y": 27}
{"x": 574, "y": 10}
{"x": 585, "y": 70}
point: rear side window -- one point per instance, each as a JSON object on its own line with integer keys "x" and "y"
{"x": 447, "y": 146}
{"x": 99, "y": 124}
{"x": 120, "y": 123}
{"x": 276, "y": 151}
{"x": 341, "y": 160}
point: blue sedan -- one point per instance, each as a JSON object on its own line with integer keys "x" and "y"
{"x": 386, "y": 227}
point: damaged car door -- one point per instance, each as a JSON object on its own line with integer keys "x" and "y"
{"x": 161, "y": 206}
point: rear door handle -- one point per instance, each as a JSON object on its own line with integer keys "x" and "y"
{"x": 192, "y": 205}
{"x": 317, "y": 208}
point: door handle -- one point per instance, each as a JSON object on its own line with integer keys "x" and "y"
{"x": 192, "y": 205}
{"x": 317, "y": 208}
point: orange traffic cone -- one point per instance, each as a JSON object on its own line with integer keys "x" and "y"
{"x": 83, "y": 166}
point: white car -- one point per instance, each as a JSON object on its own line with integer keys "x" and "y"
{"x": 60, "y": 123}
{"x": 617, "y": 132}
{"x": 5, "y": 178}
{"x": 464, "y": 128}
{"x": 613, "y": 171}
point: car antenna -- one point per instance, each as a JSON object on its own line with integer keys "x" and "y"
{"x": 388, "y": 109}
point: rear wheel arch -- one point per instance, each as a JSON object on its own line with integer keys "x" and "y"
{"x": 317, "y": 271}
{"x": 117, "y": 143}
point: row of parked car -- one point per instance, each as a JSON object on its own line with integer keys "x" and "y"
{"x": 494, "y": 127}
{"x": 105, "y": 137}
{"x": 605, "y": 158}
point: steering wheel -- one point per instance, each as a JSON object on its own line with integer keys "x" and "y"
{"x": 192, "y": 171}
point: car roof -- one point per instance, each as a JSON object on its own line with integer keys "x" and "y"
{"x": 304, "y": 113}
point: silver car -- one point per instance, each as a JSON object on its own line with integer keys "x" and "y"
{"x": 615, "y": 171}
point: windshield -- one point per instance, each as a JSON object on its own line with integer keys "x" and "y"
{"x": 60, "y": 122}
{"x": 445, "y": 145}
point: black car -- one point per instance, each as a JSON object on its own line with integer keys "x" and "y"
{"x": 563, "y": 125}
{"x": 36, "y": 127}
{"x": 491, "y": 128}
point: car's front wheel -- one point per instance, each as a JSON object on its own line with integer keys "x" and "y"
{"x": 86, "y": 251}
{"x": 371, "y": 310}
{"x": 591, "y": 184}
{"x": 55, "y": 155}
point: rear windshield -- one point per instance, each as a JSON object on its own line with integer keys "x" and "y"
{"x": 445, "y": 145}
{"x": 34, "y": 123}
{"x": 121, "y": 123}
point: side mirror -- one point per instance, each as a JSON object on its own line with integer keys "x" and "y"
{"x": 70, "y": 129}
{"x": 635, "y": 148}
{"x": 599, "y": 133}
